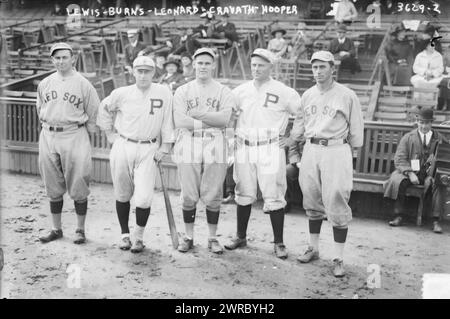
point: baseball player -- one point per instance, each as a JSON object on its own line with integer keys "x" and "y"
{"x": 145, "y": 133}
{"x": 202, "y": 110}
{"x": 265, "y": 105}
{"x": 331, "y": 121}
{"x": 67, "y": 105}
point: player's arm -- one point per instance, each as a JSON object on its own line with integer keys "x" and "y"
{"x": 39, "y": 99}
{"x": 91, "y": 105}
{"x": 356, "y": 123}
{"x": 181, "y": 119}
{"x": 105, "y": 119}
{"x": 167, "y": 129}
{"x": 295, "y": 107}
{"x": 222, "y": 117}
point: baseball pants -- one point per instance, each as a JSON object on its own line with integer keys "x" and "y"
{"x": 65, "y": 163}
{"x": 264, "y": 165}
{"x": 133, "y": 171}
{"x": 202, "y": 167}
{"x": 326, "y": 180}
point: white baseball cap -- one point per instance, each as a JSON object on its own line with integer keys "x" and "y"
{"x": 143, "y": 61}
{"x": 264, "y": 54}
{"x": 132, "y": 32}
{"x": 325, "y": 56}
{"x": 60, "y": 46}
{"x": 208, "y": 51}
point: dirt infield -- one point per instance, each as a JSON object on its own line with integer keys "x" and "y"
{"x": 34, "y": 270}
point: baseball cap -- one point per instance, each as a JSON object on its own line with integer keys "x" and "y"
{"x": 205, "y": 51}
{"x": 60, "y": 46}
{"x": 325, "y": 56}
{"x": 143, "y": 61}
{"x": 264, "y": 54}
{"x": 132, "y": 32}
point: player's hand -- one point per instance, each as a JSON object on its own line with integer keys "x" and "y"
{"x": 298, "y": 165}
{"x": 195, "y": 113}
{"x": 111, "y": 137}
{"x": 159, "y": 154}
{"x": 288, "y": 142}
{"x": 413, "y": 178}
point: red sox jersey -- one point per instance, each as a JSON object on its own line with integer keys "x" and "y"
{"x": 63, "y": 101}
{"x": 333, "y": 114}
{"x": 140, "y": 116}
{"x": 267, "y": 107}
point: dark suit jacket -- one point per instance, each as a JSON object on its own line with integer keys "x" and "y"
{"x": 229, "y": 30}
{"x": 336, "y": 47}
{"x": 132, "y": 52}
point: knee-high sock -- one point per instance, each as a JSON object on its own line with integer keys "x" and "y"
{"x": 277, "y": 220}
{"x": 123, "y": 213}
{"x": 243, "y": 215}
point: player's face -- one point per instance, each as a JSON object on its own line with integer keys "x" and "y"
{"x": 260, "y": 68}
{"x": 143, "y": 77}
{"x": 424, "y": 126}
{"x": 204, "y": 66}
{"x": 322, "y": 71}
{"x": 62, "y": 59}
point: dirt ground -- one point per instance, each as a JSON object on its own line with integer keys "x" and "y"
{"x": 35, "y": 270}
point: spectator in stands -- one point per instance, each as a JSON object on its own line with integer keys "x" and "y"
{"x": 316, "y": 10}
{"x": 444, "y": 85}
{"x": 425, "y": 33}
{"x": 188, "y": 68}
{"x": 160, "y": 60}
{"x": 172, "y": 77}
{"x": 227, "y": 30}
{"x": 298, "y": 46}
{"x": 428, "y": 68}
{"x": 344, "y": 51}
{"x": 278, "y": 45}
{"x": 57, "y": 10}
{"x": 187, "y": 43}
{"x": 345, "y": 12}
{"x": 293, "y": 191}
{"x": 207, "y": 28}
{"x": 133, "y": 48}
{"x": 414, "y": 165}
{"x": 399, "y": 55}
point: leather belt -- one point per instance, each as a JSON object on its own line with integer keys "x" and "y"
{"x": 60, "y": 128}
{"x": 205, "y": 134}
{"x": 256, "y": 143}
{"x": 138, "y": 141}
{"x": 326, "y": 142}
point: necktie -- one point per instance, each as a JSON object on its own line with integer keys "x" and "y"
{"x": 424, "y": 141}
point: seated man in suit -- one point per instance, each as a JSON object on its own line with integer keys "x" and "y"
{"x": 414, "y": 165}
{"x": 227, "y": 30}
{"x": 344, "y": 51}
{"x": 133, "y": 48}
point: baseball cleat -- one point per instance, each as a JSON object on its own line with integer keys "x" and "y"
{"x": 51, "y": 236}
{"x": 396, "y": 222}
{"x": 186, "y": 245}
{"x": 236, "y": 242}
{"x": 214, "y": 246}
{"x": 280, "y": 250}
{"x": 437, "y": 228}
{"x": 138, "y": 246}
{"x": 125, "y": 243}
{"x": 80, "y": 237}
{"x": 309, "y": 255}
{"x": 338, "y": 270}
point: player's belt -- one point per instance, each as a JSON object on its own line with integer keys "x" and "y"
{"x": 326, "y": 142}
{"x": 205, "y": 134}
{"x": 138, "y": 141}
{"x": 241, "y": 140}
{"x": 60, "y": 128}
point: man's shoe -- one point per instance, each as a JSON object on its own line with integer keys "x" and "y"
{"x": 338, "y": 270}
{"x": 229, "y": 199}
{"x": 437, "y": 228}
{"x": 214, "y": 246}
{"x": 236, "y": 242}
{"x": 80, "y": 237}
{"x": 280, "y": 250}
{"x": 309, "y": 255}
{"x": 138, "y": 246}
{"x": 52, "y": 235}
{"x": 125, "y": 243}
{"x": 396, "y": 222}
{"x": 186, "y": 245}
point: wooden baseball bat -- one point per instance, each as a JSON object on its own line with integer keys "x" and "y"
{"x": 172, "y": 226}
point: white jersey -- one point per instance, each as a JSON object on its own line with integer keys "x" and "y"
{"x": 63, "y": 101}
{"x": 267, "y": 107}
{"x": 140, "y": 115}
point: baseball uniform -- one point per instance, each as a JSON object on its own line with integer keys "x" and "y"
{"x": 334, "y": 118}
{"x": 67, "y": 108}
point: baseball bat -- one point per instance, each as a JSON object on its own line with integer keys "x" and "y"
{"x": 172, "y": 226}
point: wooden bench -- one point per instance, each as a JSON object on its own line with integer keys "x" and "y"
{"x": 374, "y": 162}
